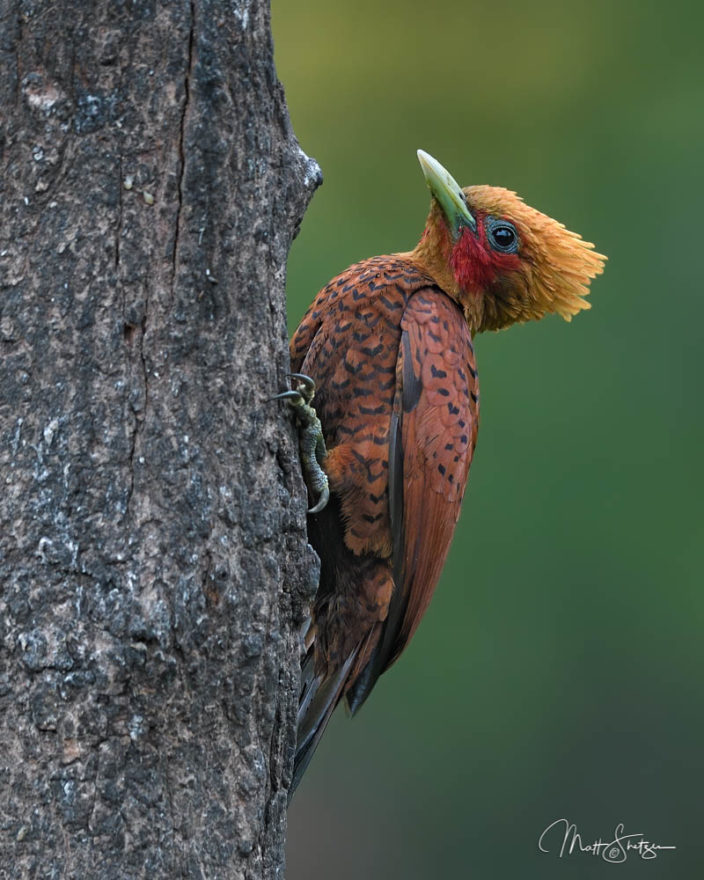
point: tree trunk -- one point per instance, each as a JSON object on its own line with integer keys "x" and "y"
{"x": 153, "y": 561}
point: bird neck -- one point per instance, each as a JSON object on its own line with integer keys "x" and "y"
{"x": 433, "y": 255}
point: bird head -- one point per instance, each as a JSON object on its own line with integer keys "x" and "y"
{"x": 503, "y": 261}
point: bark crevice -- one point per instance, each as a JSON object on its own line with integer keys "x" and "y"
{"x": 182, "y": 135}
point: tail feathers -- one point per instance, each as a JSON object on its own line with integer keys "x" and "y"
{"x": 319, "y": 697}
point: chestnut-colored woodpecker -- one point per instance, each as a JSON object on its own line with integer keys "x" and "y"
{"x": 386, "y": 351}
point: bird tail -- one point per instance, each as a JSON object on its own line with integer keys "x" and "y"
{"x": 320, "y": 695}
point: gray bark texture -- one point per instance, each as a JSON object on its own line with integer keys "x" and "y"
{"x": 153, "y": 560}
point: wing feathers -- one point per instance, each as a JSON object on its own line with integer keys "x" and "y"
{"x": 438, "y": 434}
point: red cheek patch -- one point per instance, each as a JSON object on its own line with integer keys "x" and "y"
{"x": 476, "y": 266}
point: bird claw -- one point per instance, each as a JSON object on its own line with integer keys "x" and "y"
{"x": 287, "y": 395}
{"x": 310, "y": 438}
{"x": 306, "y": 386}
{"x": 323, "y": 500}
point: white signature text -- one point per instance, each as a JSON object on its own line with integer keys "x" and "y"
{"x": 562, "y": 837}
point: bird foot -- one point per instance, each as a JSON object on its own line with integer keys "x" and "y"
{"x": 310, "y": 438}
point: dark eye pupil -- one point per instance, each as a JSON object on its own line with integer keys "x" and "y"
{"x": 503, "y": 236}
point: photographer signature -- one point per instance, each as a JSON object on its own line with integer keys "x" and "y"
{"x": 564, "y": 833}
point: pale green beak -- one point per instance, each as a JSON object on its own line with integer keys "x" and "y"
{"x": 447, "y": 191}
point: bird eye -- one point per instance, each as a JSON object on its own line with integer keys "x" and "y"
{"x": 503, "y": 237}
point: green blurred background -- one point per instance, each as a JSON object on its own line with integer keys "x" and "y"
{"x": 558, "y": 672}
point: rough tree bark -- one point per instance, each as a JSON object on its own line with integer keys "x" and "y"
{"x": 153, "y": 561}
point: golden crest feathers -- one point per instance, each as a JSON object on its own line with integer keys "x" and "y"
{"x": 557, "y": 265}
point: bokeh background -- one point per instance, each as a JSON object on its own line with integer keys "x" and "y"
{"x": 558, "y": 672}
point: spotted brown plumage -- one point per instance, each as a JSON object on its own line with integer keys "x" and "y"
{"x": 388, "y": 344}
